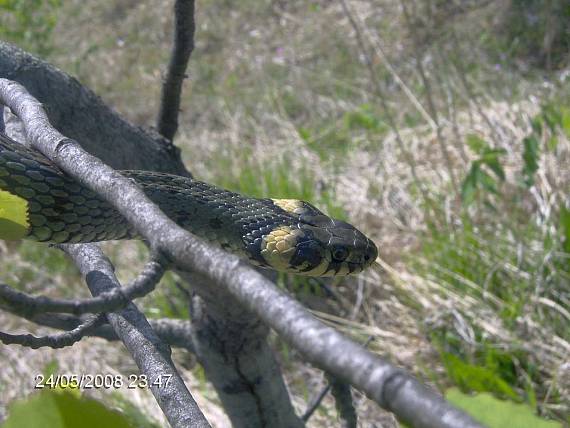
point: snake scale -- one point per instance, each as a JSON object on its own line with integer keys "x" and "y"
{"x": 282, "y": 234}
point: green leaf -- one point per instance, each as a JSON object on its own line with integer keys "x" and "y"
{"x": 363, "y": 118}
{"x": 469, "y": 185}
{"x": 50, "y": 368}
{"x": 496, "y": 167}
{"x": 13, "y": 216}
{"x": 305, "y": 134}
{"x": 491, "y": 159}
{"x": 132, "y": 412}
{"x": 490, "y": 153}
{"x": 530, "y": 159}
{"x": 477, "y": 144}
{"x": 565, "y": 228}
{"x": 565, "y": 121}
{"x": 552, "y": 117}
{"x": 536, "y": 124}
{"x": 552, "y": 143}
{"x": 496, "y": 413}
{"x": 487, "y": 182}
{"x": 476, "y": 378}
{"x": 62, "y": 409}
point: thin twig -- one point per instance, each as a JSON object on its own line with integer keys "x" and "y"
{"x": 450, "y": 101}
{"x": 107, "y": 302}
{"x": 343, "y": 402}
{"x": 175, "y": 332}
{"x": 69, "y": 322}
{"x": 379, "y": 51}
{"x": 339, "y": 394}
{"x": 58, "y": 340}
{"x": 167, "y": 123}
{"x": 316, "y": 403}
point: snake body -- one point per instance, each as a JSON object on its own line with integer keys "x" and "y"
{"x": 283, "y": 234}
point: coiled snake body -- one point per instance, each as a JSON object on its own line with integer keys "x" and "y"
{"x": 282, "y": 234}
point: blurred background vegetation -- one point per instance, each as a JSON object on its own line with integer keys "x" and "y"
{"x": 440, "y": 128}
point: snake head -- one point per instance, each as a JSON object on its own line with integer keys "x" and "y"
{"x": 344, "y": 249}
{"x": 318, "y": 246}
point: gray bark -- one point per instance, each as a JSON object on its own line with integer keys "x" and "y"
{"x": 81, "y": 115}
{"x": 230, "y": 343}
{"x": 167, "y": 123}
{"x": 151, "y": 355}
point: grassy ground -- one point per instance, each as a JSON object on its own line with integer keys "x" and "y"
{"x": 457, "y": 166}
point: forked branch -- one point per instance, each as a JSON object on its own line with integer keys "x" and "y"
{"x": 57, "y": 340}
{"x": 151, "y": 355}
{"x": 116, "y": 298}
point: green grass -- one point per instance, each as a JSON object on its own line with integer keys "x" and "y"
{"x": 168, "y": 300}
{"x": 505, "y": 273}
{"x": 514, "y": 261}
{"x": 496, "y": 413}
{"x": 505, "y": 266}
{"x": 30, "y": 23}
{"x": 40, "y": 268}
{"x": 276, "y": 179}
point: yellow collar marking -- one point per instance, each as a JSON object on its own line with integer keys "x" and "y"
{"x": 290, "y": 205}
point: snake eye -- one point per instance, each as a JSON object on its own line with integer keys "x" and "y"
{"x": 339, "y": 254}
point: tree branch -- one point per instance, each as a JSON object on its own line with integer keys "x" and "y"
{"x": 116, "y": 298}
{"x": 69, "y": 322}
{"x": 151, "y": 355}
{"x": 175, "y": 332}
{"x": 58, "y": 340}
{"x": 341, "y": 391}
{"x": 80, "y": 114}
{"x": 323, "y": 346}
{"x": 231, "y": 345}
{"x": 314, "y": 405}
{"x": 343, "y": 401}
{"x": 167, "y": 123}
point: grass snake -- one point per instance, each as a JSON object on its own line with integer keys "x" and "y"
{"x": 282, "y": 234}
